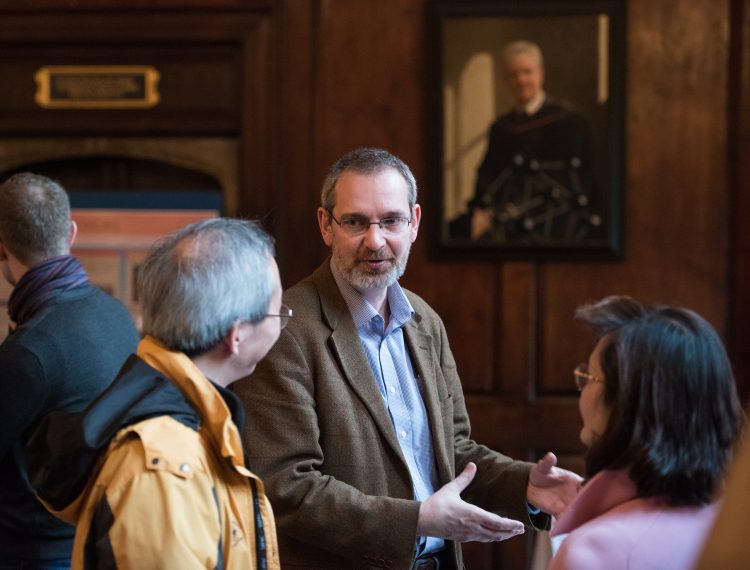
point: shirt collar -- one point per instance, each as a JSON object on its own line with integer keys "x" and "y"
{"x": 534, "y": 105}
{"x": 215, "y": 414}
{"x": 363, "y": 312}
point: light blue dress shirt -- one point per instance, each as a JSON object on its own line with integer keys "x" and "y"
{"x": 399, "y": 386}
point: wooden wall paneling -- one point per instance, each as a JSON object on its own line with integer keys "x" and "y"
{"x": 563, "y": 287}
{"x": 364, "y": 91}
{"x": 465, "y": 296}
{"x": 199, "y": 73}
{"x": 197, "y": 54}
{"x": 677, "y": 178}
{"x": 258, "y": 125}
{"x": 150, "y": 6}
{"x": 517, "y": 310}
{"x": 369, "y": 84}
{"x": 739, "y": 125}
{"x": 299, "y": 247}
{"x": 562, "y": 343}
{"x": 216, "y": 78}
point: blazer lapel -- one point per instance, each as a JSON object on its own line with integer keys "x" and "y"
{"x": 425, "y": 362}
{"x": 347, "y": 349}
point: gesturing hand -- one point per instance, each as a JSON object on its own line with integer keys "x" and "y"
{"x": 446, "y": 515}
{"x": 551, "y": 488}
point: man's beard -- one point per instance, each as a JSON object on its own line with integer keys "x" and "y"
{"x": 360, "y": 277}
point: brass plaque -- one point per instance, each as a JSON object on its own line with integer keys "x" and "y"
{"x": 97, "y": 87}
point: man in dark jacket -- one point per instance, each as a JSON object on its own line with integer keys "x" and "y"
{"x": 67, "y": 341}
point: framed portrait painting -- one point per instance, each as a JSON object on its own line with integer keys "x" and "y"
{"x": 526, "y": 113}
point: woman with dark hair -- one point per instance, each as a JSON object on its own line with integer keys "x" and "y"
{"x": 660, "y": 418}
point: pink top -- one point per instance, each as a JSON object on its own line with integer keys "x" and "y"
{"x": 610, "y": 527}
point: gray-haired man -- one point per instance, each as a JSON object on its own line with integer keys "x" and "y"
{"x": 153, "y": 473}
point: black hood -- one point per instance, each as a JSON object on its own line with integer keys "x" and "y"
{"x": 64, "y": 449}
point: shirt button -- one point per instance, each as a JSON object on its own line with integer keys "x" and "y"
{"x": 392, "y": 389}
{"x": 185, "y": 468}
{"x": 403, "y": 433}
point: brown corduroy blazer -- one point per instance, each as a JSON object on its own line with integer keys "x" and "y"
{"x": 320, "y": 437}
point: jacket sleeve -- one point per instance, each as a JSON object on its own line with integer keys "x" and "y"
{"x": 284, "y": 429}
{"x": 152, "y": 514}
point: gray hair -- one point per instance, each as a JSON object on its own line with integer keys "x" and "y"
{"x": 523, "y": 46}
{"x": 366, "y": 161}
{"x": 34, "y": 218}
{"x": 196, "y": 283}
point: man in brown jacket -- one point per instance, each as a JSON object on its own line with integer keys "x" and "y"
{"x": 358, "y": 413}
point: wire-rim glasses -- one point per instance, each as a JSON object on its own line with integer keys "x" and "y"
{"x": 356, "y": 225}
{"x": 285, "y": 313}
{"x": 582, "y": 376}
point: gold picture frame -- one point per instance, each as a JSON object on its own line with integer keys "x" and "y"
{"x": 97, "y": 87}
{"x": 500, "y": 194}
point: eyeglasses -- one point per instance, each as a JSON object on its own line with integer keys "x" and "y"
{"x": 582, "y": 376}
{"x": 356, "y": 225}
{"x": 285, "y": 313}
